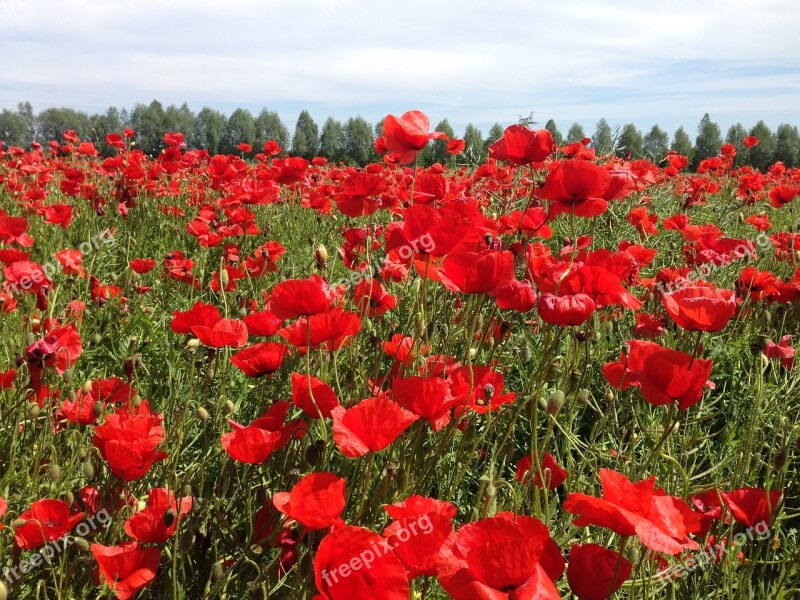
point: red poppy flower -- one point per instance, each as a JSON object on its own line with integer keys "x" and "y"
{"x": 255, "y": 443}
{"x": 313, "y": 396}
{"x": 406, "y": 135}
{"x": 369, "y": 426}
{"x": 663, "y": 375}
{"x": 427, "y": 397}
{"x": 200, "y": 314}
{"x": 782, "y": 350}
{"x": 71, "y": 262}
{"x": 58, "y": 214}
{"x": 477, "y": 272}
{"x": 781, "y": 195}
{"x": 521, "y": 146}
{"x": 455, "y": 146}
{"x": 417, "y": 539}
{"x": 60, "y": 348}
{"x": 750, "y": 141}
{"x": 479, "y": 388}
{"x": 752, "y": 505}
{"x": 662, "y": 522}
{"x": 260, "y": 359}
{"x": 330, "y": 330}
{"x": 100, "y": 293}
{"x": 224, "y": 333}
{"x": 516, "y": 295}
{"x": 569, "y": 310}
{"x": 3, "y": 509}
{"x": 372, "y": 298}
{"x": 142, "y": 265}
{"x": 25, "y": 276}
{"x": 495, "y": 558}
{"x": 361, "y": 193}
{"x": 154, "y": 524}
{"x": 352, "y": 563}
{"x": 7, "y": 379}
{"x": 576, "y": 186}
{"x": 594, "y": 572}
{"x": 126, "y": 568}
{"x": 13, "y": 230}
{"x": 316, "y": 501}
{"x": 648, "y": 326}
{"x": 554, "y": 475}
{"x": 700, "y": 308}
{"x": 262, "y": 324}
{"x": 45, "y": 521}
{"x": 298, "y": 297}
{"x": 601, "y": 284}
{"x": 128, "y": 441}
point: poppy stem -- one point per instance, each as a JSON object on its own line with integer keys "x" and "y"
{"x": 622, "y": 545}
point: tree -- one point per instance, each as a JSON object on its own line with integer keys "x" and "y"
{"x": 241, "y": 129}
{"x": 332, "y": 140}
{"x": 603, "y": 138}
{"x": 735, "y": 135}
{"x": 359, "y": 144}
{"x": 208, "y": 130}
{"x": 148, "y": 123}
{"x": 553, "y": 129}
{"x": 13, "y": 129}
{"x": 763, "y": 155}
{"x": 305, "y": 142}
{"x": 655, "y": 144}
{"x": 53, "y": 122}
{"x": 179, "y": 119}
{"x": 495, "y": 133}
{"x": 575, "y": 133}
{"x": 440, "y": 154}
{"x": 105, "y": 124}
{"x": 270, "y": 127}
{"x": 709, "y": 140}
{"x": 473, "y": 144}
{"x": 787, "y": 145}
{"x": 25, "y": 110}
{"x": 682, "y": 144}
{"x": 630, "y": 141}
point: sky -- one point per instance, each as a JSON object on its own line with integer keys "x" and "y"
{"x": 646, "y": 62}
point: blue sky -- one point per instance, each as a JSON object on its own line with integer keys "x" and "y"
{"x": 660, "y": 61}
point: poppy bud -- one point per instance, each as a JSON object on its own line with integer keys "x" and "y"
{"x": 216, "y": 571}
{"x": 97, "y": 338}
{"x": 169, "y": 517}
{"x": 575, "y": 375}
{"x": 555, "y": 402}
{"x": 193, "y": 344}
{"x": 30, "y": 339}
{"x": 776, "y": 543}
{"x": 53, "y": 472}
{"x": 582, "y": 396}
{"x": 391, "y": 470}
{"x": 229, "y": 407}
{"x": 488, "y": 389}
{"x": 340, "y": 254}
{"x": 526, "y": 353}
{"x": 740, "y": 217}
{"x": 69, "y": 497}
{"x": 780, "y": 460}
{"x": 81, "y": 543}
{"x": 542, "y": 402}
{"x": 242, "y": 312}
{"x": 41, "y": 298}
{"x": 3, "y": 591}
{"x": 82, "y": 453}
{"x": 321, "y": 256}
{"x": 186, "y": 540}
{"x": 98, "y": 408}
{"x": 88, "y": 470}
{"x": 72, "y": 396}
{"x": 33, "y": 410}
{"x": 487, "y": 238}
{"x": 610, "y": 397}
{"x": 314, "y": 453}
{"x": 764, "y": 362}
{"x": 202, "y": 414}
{"x": 17, "y": 523}
{"x": 490, "y": 500}
{"x": 633, "y": 552}
{"x": 224, "y": 278}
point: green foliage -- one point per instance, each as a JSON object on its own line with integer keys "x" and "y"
{"x": 13, "y": 129}
{"x": 53, "y": 122}
{"x": 763, "y": 155}
{"x": 603, "y": 138}
{"x": 787, "y": 145}
{"x": 149, "y": 124}
{"x": 305, "y": 142}
{"x": 575, "y": 133}
{"x": 709, "y": 140}
{"x": 473, "y": 144}
{"x": 241, "y": 129}
{"x": 209, "y": 130}
{"x": 440, "y": 154}
{"x": 332, "y": 140}
{"x": 553, "y": 129}
{"x": 655, "y": 144}
{"x": 735, "y": 135}
{"x": 682, "y": 144}
{"x": 630, "y": 140}
{"x": 270, "y": 127}
{"x": 359, "y": 144}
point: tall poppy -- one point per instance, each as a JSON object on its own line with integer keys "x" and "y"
{"x": 700, "y": 308}
{"x": 126, "y": 568}
{"x": 316, "y": 501}
{"x": 369, "y": 426}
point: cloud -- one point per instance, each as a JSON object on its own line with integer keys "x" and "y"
{"x": 665, "y": 61}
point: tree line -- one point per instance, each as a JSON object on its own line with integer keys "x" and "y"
{"x": 352, "y": 141}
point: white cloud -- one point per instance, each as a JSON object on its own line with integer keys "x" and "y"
{"x": 665, "y": 61}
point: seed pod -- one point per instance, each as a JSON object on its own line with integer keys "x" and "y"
{"x": 582, "y": 396}
{"x": 169, "y": 517}
{"x": 88, "y": 470}
{"x": 216, "y": 571}
{"x": 555, "y": 402}
{"x": 53, "y": 472}
{"x": 82, "y": 544}
{"x": 69, "y": 497}
{"x": 98, "y": 408}
{"x": 33, "y": 410}
{"x": 187, "y": 490}
{"x": 82, "y": 453}
{"x": 202, "y": 414}
{"x": 67, "y": 376}
{"x": 610, "y": 397}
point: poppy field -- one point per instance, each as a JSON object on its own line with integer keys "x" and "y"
{"x": 549, "y": 375}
